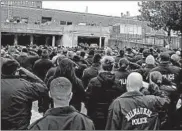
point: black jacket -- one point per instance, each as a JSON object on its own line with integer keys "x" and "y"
{"x": 168, "y": 71}
{"x": 65, "y": 118}
{"x": 41, "y": 67}
{"x": 102, "y": 90}
{"x": 145, "y": 71}
{"x": 89, "y": 60}
{"x": 17, "y": 96}
{"x": 27, "y": 61}
{"x": 135, "y": 111}
{"x": 171, "y": 73}
{"x": 122, "y": 75}
{"x": 90, "y": 73}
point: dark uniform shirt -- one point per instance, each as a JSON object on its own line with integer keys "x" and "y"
{"x": 16, "y": 102}
{"x": 63, "y": 118}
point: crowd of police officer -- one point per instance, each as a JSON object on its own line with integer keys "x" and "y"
{"x": 124, "y": 90}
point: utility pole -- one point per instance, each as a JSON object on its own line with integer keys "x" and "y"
{"x": 100, "y": 38}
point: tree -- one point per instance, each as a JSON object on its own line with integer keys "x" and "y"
{"x": 166, "y": 15}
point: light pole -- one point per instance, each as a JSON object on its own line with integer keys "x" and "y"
{"x": 100, "y": 38}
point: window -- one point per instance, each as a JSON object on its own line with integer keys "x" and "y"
{"x": 16, "y": 19}
{"x": 62, "y": 22}
{"x": 24, "y": 20}
{"x": 82, "y": 23}
{"x": 2, "y": 3}
{"x": 69, "y": 23}
{"x": 46, "y": 19}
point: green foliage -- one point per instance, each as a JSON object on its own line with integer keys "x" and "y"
{"x": 166, "y": 15}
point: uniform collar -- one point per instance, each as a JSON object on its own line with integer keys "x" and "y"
{"x": 60, "y": 111}
{"x": 131, "y": 94}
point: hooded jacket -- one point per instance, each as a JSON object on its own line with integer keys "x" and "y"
{"x": 41, "y": 67}
{"x": 63, "y": 118}
{"x": 102, "y": 90}
{"x": 90, "y": 73}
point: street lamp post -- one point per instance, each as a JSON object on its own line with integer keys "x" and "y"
{"x": 100, "y": 38}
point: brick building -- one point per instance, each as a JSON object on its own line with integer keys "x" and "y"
{"x": 26, "y": 22}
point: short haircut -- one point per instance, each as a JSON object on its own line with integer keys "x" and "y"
{"x": 97, "y": 58}
{"x": 107, "y": 63}
{"x": 45, "y": 53}
{"x": 9, "y": 67}
{"x": 82, "y": 54}
{"x": 25, "y": 50}
{"x": 121, "y": 52}
{"x": 91, "y": 52}
{"x": 60, "y": 88}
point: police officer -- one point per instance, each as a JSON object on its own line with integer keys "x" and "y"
{"x": 171, "y": 73}
{"x": 18, "y": 95}
{"x": 102, "y": 90}
{"x": 62, "y": 116}
{"x": 134, "y": 110}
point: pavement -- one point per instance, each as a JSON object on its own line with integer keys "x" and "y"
{"x": 35, "y": 114}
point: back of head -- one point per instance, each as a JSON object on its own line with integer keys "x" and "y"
{"x": 107, "y": 63}
{"x": 59, "y": 51}
{"x": 141, "y": 50}
{"x": 82, "y": 54}
{"x": 67, "y": 68}
{"x": 9, "y": 67}
{"x": 128, "y": 49}
{"x": 123, "y": 63}
{"x": 91, "y": 52}
{"x": 175, "y": 57}
{"x": 3, "y": 52}
{"x": 78, "y": 53}
{"x": 178, "y": 53}
{"x": 150, "y": 60}
{"x": 145, "y": 53}
{"x": 45, "y": 53}
{"x": 96, "y": 58}
{"x": 39, "y": 52}
{"x": 60, "y": 88}
{"x": 24, "y": 50}
{"x": 134, "y": 82}
{"x": 76, "y": 58}
{"x": 108, "y": 51}
{"x": 164, "y": 57}
{"x": 121, "y": 53}
{"x": 156, "y": 77}
{"x": 65, "y": 51}
{"x": 70, "y": 54}
{"x": 59, "y": 59}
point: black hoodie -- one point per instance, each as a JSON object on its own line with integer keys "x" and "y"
{"x": 102, "y": 90}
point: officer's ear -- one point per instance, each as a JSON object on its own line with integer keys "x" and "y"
{"x": 70, "y": 96}
{"x": 49, "y": 94}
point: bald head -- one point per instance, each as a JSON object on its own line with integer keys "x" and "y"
{"x": 134, "y": 82}
{"x": 60, "y": 88}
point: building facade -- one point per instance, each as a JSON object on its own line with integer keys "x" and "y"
{"x": 26, "y": 22}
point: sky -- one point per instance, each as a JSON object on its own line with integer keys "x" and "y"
{"x": 110, "y": 8}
